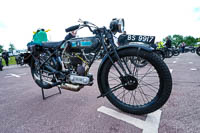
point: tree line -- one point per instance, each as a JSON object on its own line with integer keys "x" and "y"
{"x": 178, "y": 39}
{"x": 11, "y": 48}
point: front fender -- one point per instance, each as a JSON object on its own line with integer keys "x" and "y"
{"x": 132, "y": 45}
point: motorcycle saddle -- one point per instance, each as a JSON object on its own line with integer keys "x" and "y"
{"x": 51, "y": 44}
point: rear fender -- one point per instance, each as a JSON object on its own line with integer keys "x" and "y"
{"x": 27, "y": 58}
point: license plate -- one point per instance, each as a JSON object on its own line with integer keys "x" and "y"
{"x": 139, "y": 38}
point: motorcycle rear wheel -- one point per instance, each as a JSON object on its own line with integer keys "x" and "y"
{"x": 45, "y": 80}
{"x": 150, "y": 87}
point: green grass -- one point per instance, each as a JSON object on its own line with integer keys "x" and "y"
{"x": 10, "y": 62}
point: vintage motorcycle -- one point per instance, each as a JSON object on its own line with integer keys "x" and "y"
{"x": 20, "y": 59}
{"x": 198, "y": 51}
{"x": 136, "y": 90}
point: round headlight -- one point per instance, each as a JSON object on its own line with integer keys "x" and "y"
{"x": 117, "y": 25}
{"x": 121, "y": 25}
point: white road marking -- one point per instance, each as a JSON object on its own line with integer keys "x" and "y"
{"x": 193, "y": 69}
{"x": 14, "y": 75}
{"x": 150, "y": 125}
{"x": 174, "y": 62}
{"x": 190, "y": 62}
{"x": 22, "y": 74}
{"x": 171, "y": 70}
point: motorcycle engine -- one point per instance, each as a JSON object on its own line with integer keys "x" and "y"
{"x": 76, "y": 64}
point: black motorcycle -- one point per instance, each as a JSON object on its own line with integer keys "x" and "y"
{"x": 136, "y": 90}
{"x": 169, "y": 52}
{"x": 20, "y": 59}
{"x": 198, "y": 51}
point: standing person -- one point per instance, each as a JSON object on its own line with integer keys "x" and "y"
{"x": 183, "y": 47}
{"x": 168, "y": 42}
{"x": 5, "y": 56}
{"x": 168, "y": 45}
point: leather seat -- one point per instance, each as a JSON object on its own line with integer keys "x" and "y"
{"x": 51, "y": 44}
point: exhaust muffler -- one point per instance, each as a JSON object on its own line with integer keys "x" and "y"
{"x": 71, "y": 87}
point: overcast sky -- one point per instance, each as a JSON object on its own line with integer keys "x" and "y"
{"x": 19, "y": 18}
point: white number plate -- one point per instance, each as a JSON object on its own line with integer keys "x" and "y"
{"x": 141, "y": 38}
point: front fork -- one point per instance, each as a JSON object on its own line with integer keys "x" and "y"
{"x": 119, "y": 62}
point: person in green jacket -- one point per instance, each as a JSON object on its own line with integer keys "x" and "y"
{"x": 160, "y": 45}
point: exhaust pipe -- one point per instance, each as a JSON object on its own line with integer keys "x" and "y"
{"x": 65, "y": 86}
{"x": 71, "y": 87}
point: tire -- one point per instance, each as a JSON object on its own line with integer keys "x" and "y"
{"x": 36, "y": 76}
{"x": 21, "y": 62}
{"x": 163, "y": 77}
{"x": 160, "y": 54}
{"x": 168, "y": 54}
{"x": 137, "y": 61}
{"x": 176, "y": 52}
{"x": 198, "y": 51}
{"x": 192, "y": 51}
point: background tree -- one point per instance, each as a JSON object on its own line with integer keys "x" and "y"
{"x": 1, "y": 48}
{"x": 177, "y": 39}
{"x": 190, "y": 40}
{"x": 12, "y": 47}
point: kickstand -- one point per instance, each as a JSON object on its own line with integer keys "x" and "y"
{"x": 43, "y": 96}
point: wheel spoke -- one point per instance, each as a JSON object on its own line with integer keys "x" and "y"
{"x": 139, "y": 69}
{"x": 142, "y": 96}
{"x": 147, "y": 84}
{"x": 146, "y": 73}
{"x": 146, "y": 95}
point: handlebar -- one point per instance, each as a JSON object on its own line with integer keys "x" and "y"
{"x": 87, "y": 24}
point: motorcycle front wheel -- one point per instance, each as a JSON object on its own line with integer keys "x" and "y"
{"x": 176, "y": 52}
{"x": 168, "y": 53}
{"x": 144, "y": 89}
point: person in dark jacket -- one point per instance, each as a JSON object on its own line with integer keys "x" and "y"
{"x": 5, "y": 56}
{"x": 168, "y": 42}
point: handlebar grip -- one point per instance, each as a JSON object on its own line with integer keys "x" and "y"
{"x": 72, "y": 28}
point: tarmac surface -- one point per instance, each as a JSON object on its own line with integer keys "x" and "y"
{"x": 22, "y": 109}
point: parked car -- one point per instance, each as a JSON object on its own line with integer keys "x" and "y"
{"x": 190, "y": 49}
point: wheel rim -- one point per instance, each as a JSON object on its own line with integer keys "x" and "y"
{"x": 147, "y": 85}
{"x": 45, "y": 78}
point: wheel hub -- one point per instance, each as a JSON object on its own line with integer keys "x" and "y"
{"x": 129, "y": 82}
